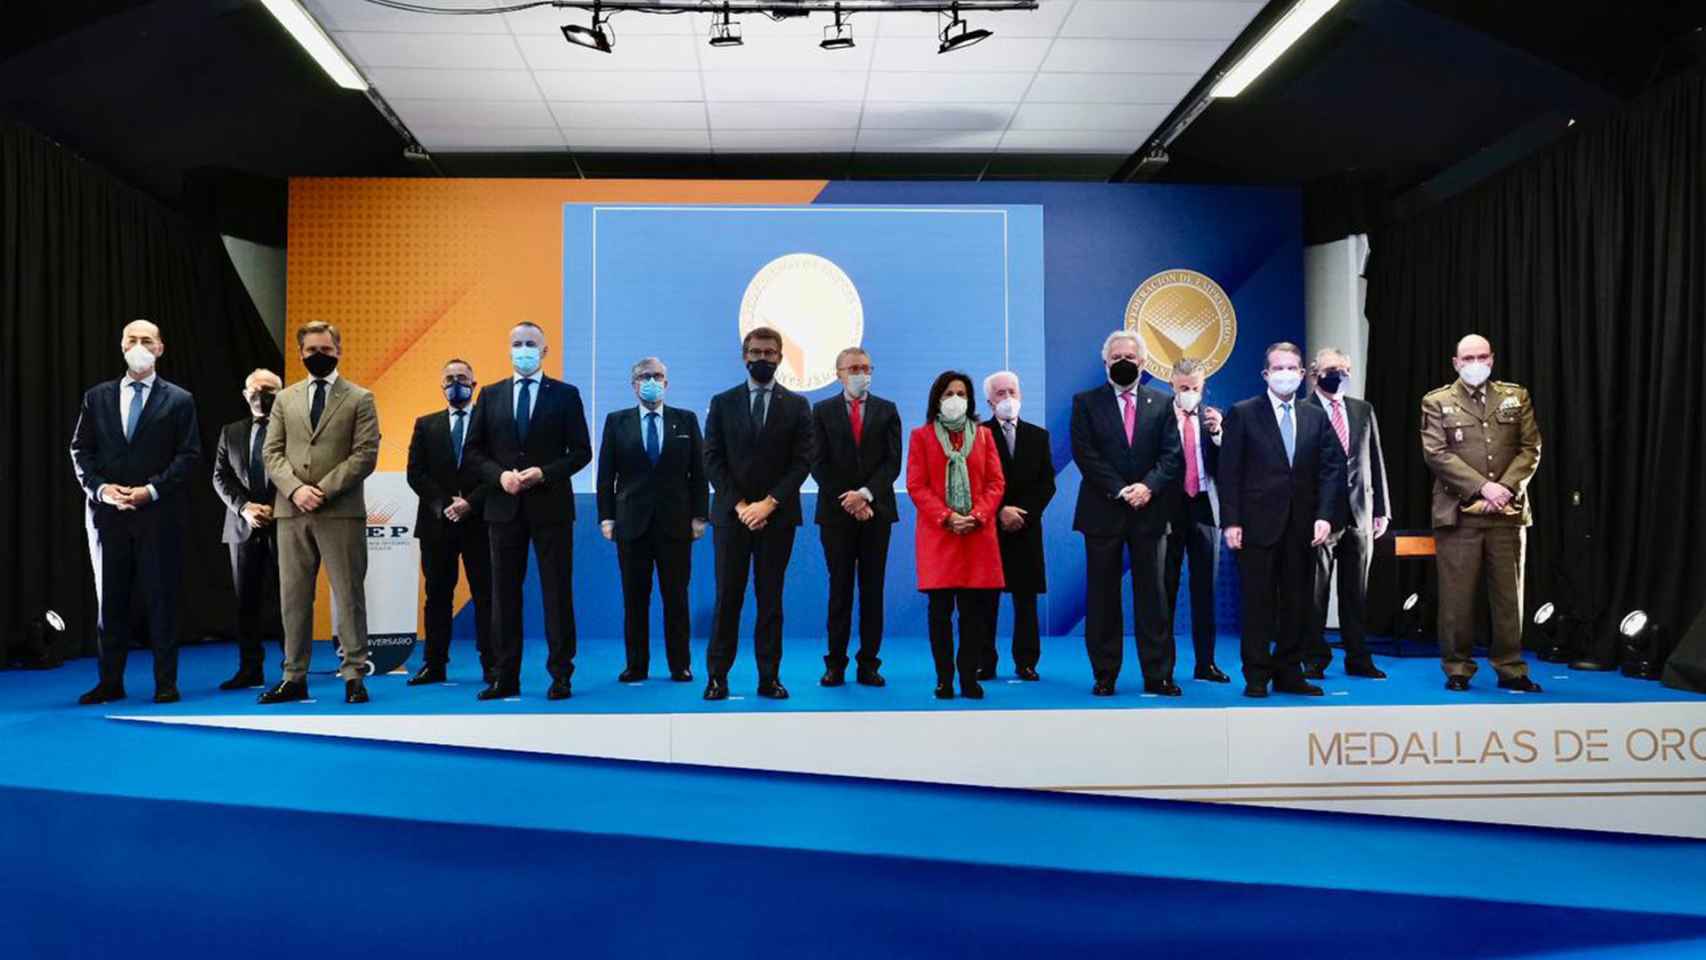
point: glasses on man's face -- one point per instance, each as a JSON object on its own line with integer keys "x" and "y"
{"x": 763, "y": 353}
{"x": 856, "y": 368}
{"x": 642, "y": 378}
{"x": 464, "y": 380}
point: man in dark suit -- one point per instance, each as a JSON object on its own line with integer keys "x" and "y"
{"x": 1350, "y": 550}
{"x": 135, "y": 445}
{"x": 855, "y": 460}
{"x": 1191, "y": 525}
{"x": 450, "y": 524}
{"x": 528, "y": 437}
{"x": 652, "y": 501}
{"x": 240, "y": 478}
{"x": 1282, "y": 486}
{"x": 1128, "y": 452}
{"x": 1028, "y": 465}
{"x": 758, "y": 449}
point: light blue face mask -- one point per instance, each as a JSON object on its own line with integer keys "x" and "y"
{"x": 525, "y": 359}
{"x": 651, "y": 391}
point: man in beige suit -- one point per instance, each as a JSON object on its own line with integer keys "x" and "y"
{"x": 322, "y": 442}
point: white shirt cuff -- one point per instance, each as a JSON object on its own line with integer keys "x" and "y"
{"x": 866, "y": 493}
{"x": 153, "y": 494}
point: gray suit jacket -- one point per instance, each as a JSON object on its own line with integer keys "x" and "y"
{"x": 336, "y": 457}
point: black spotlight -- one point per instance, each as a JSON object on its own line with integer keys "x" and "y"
{"x": 955, "y": 36}
{"x": 1644, "y": 652}
{"x": 1412, "y": 620}
{"x": 37, "y": 646}
{"x": 596, "y": 37}
{"x": 1548, "y": 622}
{"x": 838, "y": 37}
{"x": 724, "y": 31}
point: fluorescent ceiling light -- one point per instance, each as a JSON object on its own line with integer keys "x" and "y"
{"x": 314, "y": 40}
{"x": 1275, "y": 42}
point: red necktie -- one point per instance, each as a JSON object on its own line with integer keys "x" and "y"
{"x": 858, "y": 420}
{"x": 1193, "y": 480}
{"x": 1339, "y": 426}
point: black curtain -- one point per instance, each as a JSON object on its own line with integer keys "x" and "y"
{"x": 81, "y": 255}
{"x": 1586, "y": 267}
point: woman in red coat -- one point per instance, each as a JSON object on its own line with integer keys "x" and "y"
{"x": 953, "y": 474}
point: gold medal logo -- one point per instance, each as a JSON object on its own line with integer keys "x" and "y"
{"x": 1182, "y": 313}
{"x": 812, "y": 302}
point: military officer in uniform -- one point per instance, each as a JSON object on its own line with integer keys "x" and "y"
{"x": 1482, "y": 443}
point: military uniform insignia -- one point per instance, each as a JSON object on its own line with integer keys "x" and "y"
{"x": 1510, "y": 403}
{"x": 1459, "y": 434}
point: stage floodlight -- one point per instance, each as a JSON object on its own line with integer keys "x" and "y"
{"x": 1643, "y": 650}
{"x": 724, "y": 31}
{"x": 839, "y": 36}
{"x": 596, "y": 37}
{"x": 38, "y": 646}
{"x": 956, "y": 36}
{"x": 1412, "y": 620}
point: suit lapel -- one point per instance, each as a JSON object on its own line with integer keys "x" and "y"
{"x": 150, "y": 407}
{"x": 1270, "y": 426}
{"x": 1112, "y": 414}
{"x": 334, "y": 398}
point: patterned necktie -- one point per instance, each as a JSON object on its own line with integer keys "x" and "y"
{"x": 523, "y": 412}
{"x": 1007, "y": 429}
{"x": 317, "y": 405}
{"x": 456, "y": 435}
{"x": 652, "y": 451}
{"x": 757, "y": 410}
{"x": 1193, "y": 480}
{"x": 1339, "y": 426}
{"x": 1130, "y": 414}
{"x": 858, "y": 421}
{"x": 1288, "y": 433}
{"x": 257, "y": 465}
{"x": 136, "y": 401}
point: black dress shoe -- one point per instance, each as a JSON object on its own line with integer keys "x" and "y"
{"x": 631, "y": 675}
{"x": 426, "y": 675}
{"x": 1165, "y": 688}
{"x": 684, "y": 675}
{"x": 945, "y": 690}
{"x": 167, "y": 695}
{"x": 716, "y": 688}
{"x": 986, "y": 673}
{"x": 488, "y": 676}
{"x": 497, "y": 690}
{"x": 287, "y": 691}
{"x": 1314, "y": 673}
{"x": 560, "y": 689}
{"x": 1256, "y": 692}
{"x": 1459, "y": 684}
{"x": 870, "y": 678}
{"x": 1103, "y": 688}
{"x": 1027, "y": 673}
{"x": 832, "y": 678}
{"x": 772, "y": 690}
{"x": 1521, "y": 684}
{"x": 1211, "y": 673}
{"x": 355, "y": 691}
{"x": 1366, "y": 670}
{"x": 246, "y": 678}
{"x": 101, "y": 694}
{"x": 1301, "y": 688}
{"x": 971, "y": 689}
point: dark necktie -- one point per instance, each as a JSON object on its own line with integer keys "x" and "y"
{"x": 456, "y": 435}
{"x": 317, "y": 406}
{"x": 652, "y": 437}
{"x": 757, "y": 410}
{"x": 858, "y": 420}
{"x": 257, "y": 466}
{"x": 523, "y": 411}
{"x": 137, "y": 399}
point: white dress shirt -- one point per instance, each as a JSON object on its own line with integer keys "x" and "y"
{"x": 127, "y": 395}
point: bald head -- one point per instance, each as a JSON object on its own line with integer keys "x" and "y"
{"x": 1474, "y": 346}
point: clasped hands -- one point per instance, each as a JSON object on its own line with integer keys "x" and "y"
{"x": 960, "y": 523}
{"x": 457, "y": 509}
{"x": 857, "y": 506}
{"x": 515, "y": 481}
{"x": 125, "y": 498}
{"x": 1136, "y": 495}
{"x": 755, "y": 515}
{"x": 257, "y": 515}
{"x": 1497, "y": 495}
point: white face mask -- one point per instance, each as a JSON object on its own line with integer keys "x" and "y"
{"x": 857, "y": 384}
{"x": 953, "y": 408}
{"x": 1475, "y": 374}
{"x": 1284, "y": 383}
{"x": 139, "y": 358}
{"x": 1007, "y": 409}
{"x": 1188, "y": 399}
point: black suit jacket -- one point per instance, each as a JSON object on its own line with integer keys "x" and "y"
{"x": 1262, "y": 493}
{"x": 557, "y": 443}
{"x": 1030, "y": 486}
{"x": 746, "y": 467}
{"x": 1366, "y": 494}
{"x": 164, "y": 451}
{"x": 436, "y": 479}
{"x": 231, "y": 479}
{"x": 838, "y": 467}
{"x": 637, "y": 495}
{"x": 1109, "y": 464}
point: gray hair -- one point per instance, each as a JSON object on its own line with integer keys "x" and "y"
{"x": 1325, "y": 352}
{"x": 989, "y": 381}
{"x": 1122, "y": 334}
{"x": 1190, "y": 366}
{"x": 641, "y": 364}
{"x": 249, "y": 381}
{"x": 848, "y": 352}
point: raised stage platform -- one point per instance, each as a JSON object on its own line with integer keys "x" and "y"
{"x": 433, "y": 825}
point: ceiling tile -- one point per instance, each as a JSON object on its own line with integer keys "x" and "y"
{"x": 361, "y": 15}
{"x": 438, "y": 50}
{"x": 1133, "y": 56}
{"x": 1220, "y": 20}
{"x": 576, "y": 117}
{"x": 801, "y": 54}
{"x": 953, "y": 87}
{"x": 782, "y": 141}
{"x": 1044, "y": 21}
{"x": 472, "y": 113}
{"x": 495, "y": 139}
{"x": 1134, "y": 117}
{"x": 651, "y": 52}
{"x": 611, "y": 85}
{"x": 1072, "y": 141}
{"x": 936, "y": 116}
{"x": 454, "y": 84}
{"x": 637, "y": 141}
{"x": 889, "y": 141}
{"x": 545, "y": 21}
{"x": 768, "y": 85}
{"x": 1157, "y": 88}
{"x": 919, "y": 53}
{"x": 783, "y": 116}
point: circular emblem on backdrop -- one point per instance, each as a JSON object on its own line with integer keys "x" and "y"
{"x": 815, "y": 306}
{"x": 1182, "y": 313}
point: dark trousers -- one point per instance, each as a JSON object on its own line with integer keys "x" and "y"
{"x": 1275, "y": 607}
{"x": 765, "y": 554}
{"x": 1104, "y": 615}
{"x": 131, "y": 563}
{"x": 977, "y": 630}
{"x": 855, "y": 551}
{"x": 1027, "y": 634}
{"x": 1346, "y": 554}
{"x": 1193, "y": 533}
{"x": 672, "y": 559}
{"x": 466, "y": 543}
{"x": 554, "y": 546}
{"x": 254, "y": 575}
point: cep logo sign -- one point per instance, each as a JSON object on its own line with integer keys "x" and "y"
{"x": 380, "y": 527}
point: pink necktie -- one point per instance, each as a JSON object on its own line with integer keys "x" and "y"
{"x": 1339, "y": 426}
{"x": 1193, "y": 482}
{"x": 1130, "y": 415}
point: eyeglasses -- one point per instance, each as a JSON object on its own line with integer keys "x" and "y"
{"x": 763, "y": 353}
{"x": 650, "y": 375}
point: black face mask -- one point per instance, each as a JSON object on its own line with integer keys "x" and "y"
{"x": 762, "y": 371}
{"x": 320, "y": 364}
{"x": 1123, "y": 372}
{"x": 1332, "y": 380}
{"x": 264, "y": 400}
